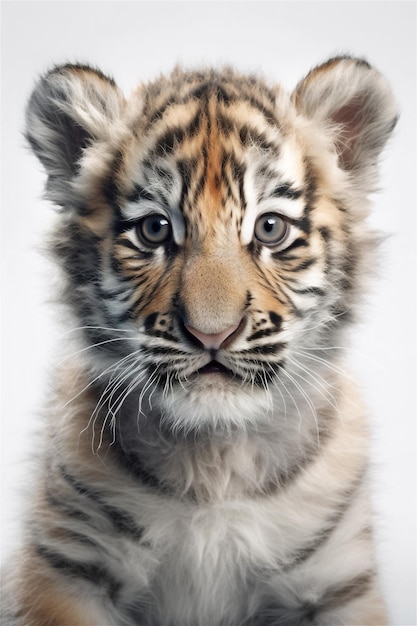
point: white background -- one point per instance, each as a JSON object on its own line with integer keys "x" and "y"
{"x": 283, "y": 40}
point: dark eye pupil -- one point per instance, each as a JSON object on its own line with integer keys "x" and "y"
{"x": 154, "y": 230}
{"x": 157, "y": 226}
{"x": 269, "y": 225}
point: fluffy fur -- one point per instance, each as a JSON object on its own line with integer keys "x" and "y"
{"x": 205, "y": 459}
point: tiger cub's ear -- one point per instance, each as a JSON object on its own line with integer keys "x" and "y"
{"x": 357, "y": 101}
{"x": 70, "y": 107}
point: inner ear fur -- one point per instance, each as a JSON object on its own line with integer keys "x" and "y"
{"x": 355, "y": 100}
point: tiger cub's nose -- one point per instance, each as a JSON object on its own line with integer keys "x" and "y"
{"x": 216, "y": 340}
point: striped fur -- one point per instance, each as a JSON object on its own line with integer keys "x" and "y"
{"x": 205, "y": 458}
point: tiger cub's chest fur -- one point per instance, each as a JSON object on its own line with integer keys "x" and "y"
{"x": 205, "y": 458}
{"x": 228, "y": 532}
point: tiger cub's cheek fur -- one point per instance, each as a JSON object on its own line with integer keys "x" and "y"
{"x": 205, "y": 457}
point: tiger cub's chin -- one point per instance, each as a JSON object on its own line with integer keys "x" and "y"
{"x": 212, "y": 402}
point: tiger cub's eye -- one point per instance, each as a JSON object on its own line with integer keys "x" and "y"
{"x": 154, "y": 230}
{"x": 271, "y": 229}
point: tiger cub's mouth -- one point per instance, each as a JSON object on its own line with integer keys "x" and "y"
{"x": 214, "y": 367}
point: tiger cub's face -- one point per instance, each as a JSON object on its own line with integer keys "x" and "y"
{"x": 213, "y": 235}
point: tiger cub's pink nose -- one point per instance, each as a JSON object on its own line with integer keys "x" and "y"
{"x": 212, "y": 341}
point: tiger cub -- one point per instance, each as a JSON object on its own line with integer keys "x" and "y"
{"x": 205, "y": 458}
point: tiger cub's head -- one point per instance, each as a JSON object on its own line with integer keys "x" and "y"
{"x": 212, "y": 227}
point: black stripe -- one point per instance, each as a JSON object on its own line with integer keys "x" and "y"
{"x": 230, "y": 189}
{"x": 329, "y": 527}
{"x": 139, "y": 193}
{"x": 297, "y": 243}
{"x": 238, "y": 173}
{"x": 194, "y": 125}
{"x": 251, "y": 136}
{"x": 316, "y": 291}
{"x": 304, "y": 223}
{"x": 273, "y": 611}
{"x": 157, "y": 114}
{"x": 269, "y": 349}
{"x": 259, "y": 334}
{"x": 110, "y": 186}
{"x": 202, "y": 91}
{"x": 74, "y": 537}
{"x": 150, "y": 320}
{"x": 248, "y": 301}
{"x": 304, "y": 265}
{"x": 283, "y": 481}
{"x": 130, "y": 462}
{"x": 121, "y": 293}
{"x": 163, "y": 334}
{"x": 122, "y": 521}
{"x": 167, "y": 351}
{"x": 165, "y": 175}
{"x": 224, "y": 124}
{"x": 324, "y": 233}
{"x": 66, "y": 509}
{"x": 338, "y": 596}
{"x": 166, "y": 143}
{"x": 92, "y": 572}
{"x": 187, "y": 169}
{"x": 126, "y": 243}
{"x": 201, "y": 182}
{"x": 276, "y": 319}
{"x": 78, "y": 251}
{"x": 287, "y": 190}
{"x": 267, "y": 112}
{"x": 210, "y": 86}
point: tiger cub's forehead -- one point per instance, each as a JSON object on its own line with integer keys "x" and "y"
{"x": 213, "y": 144}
